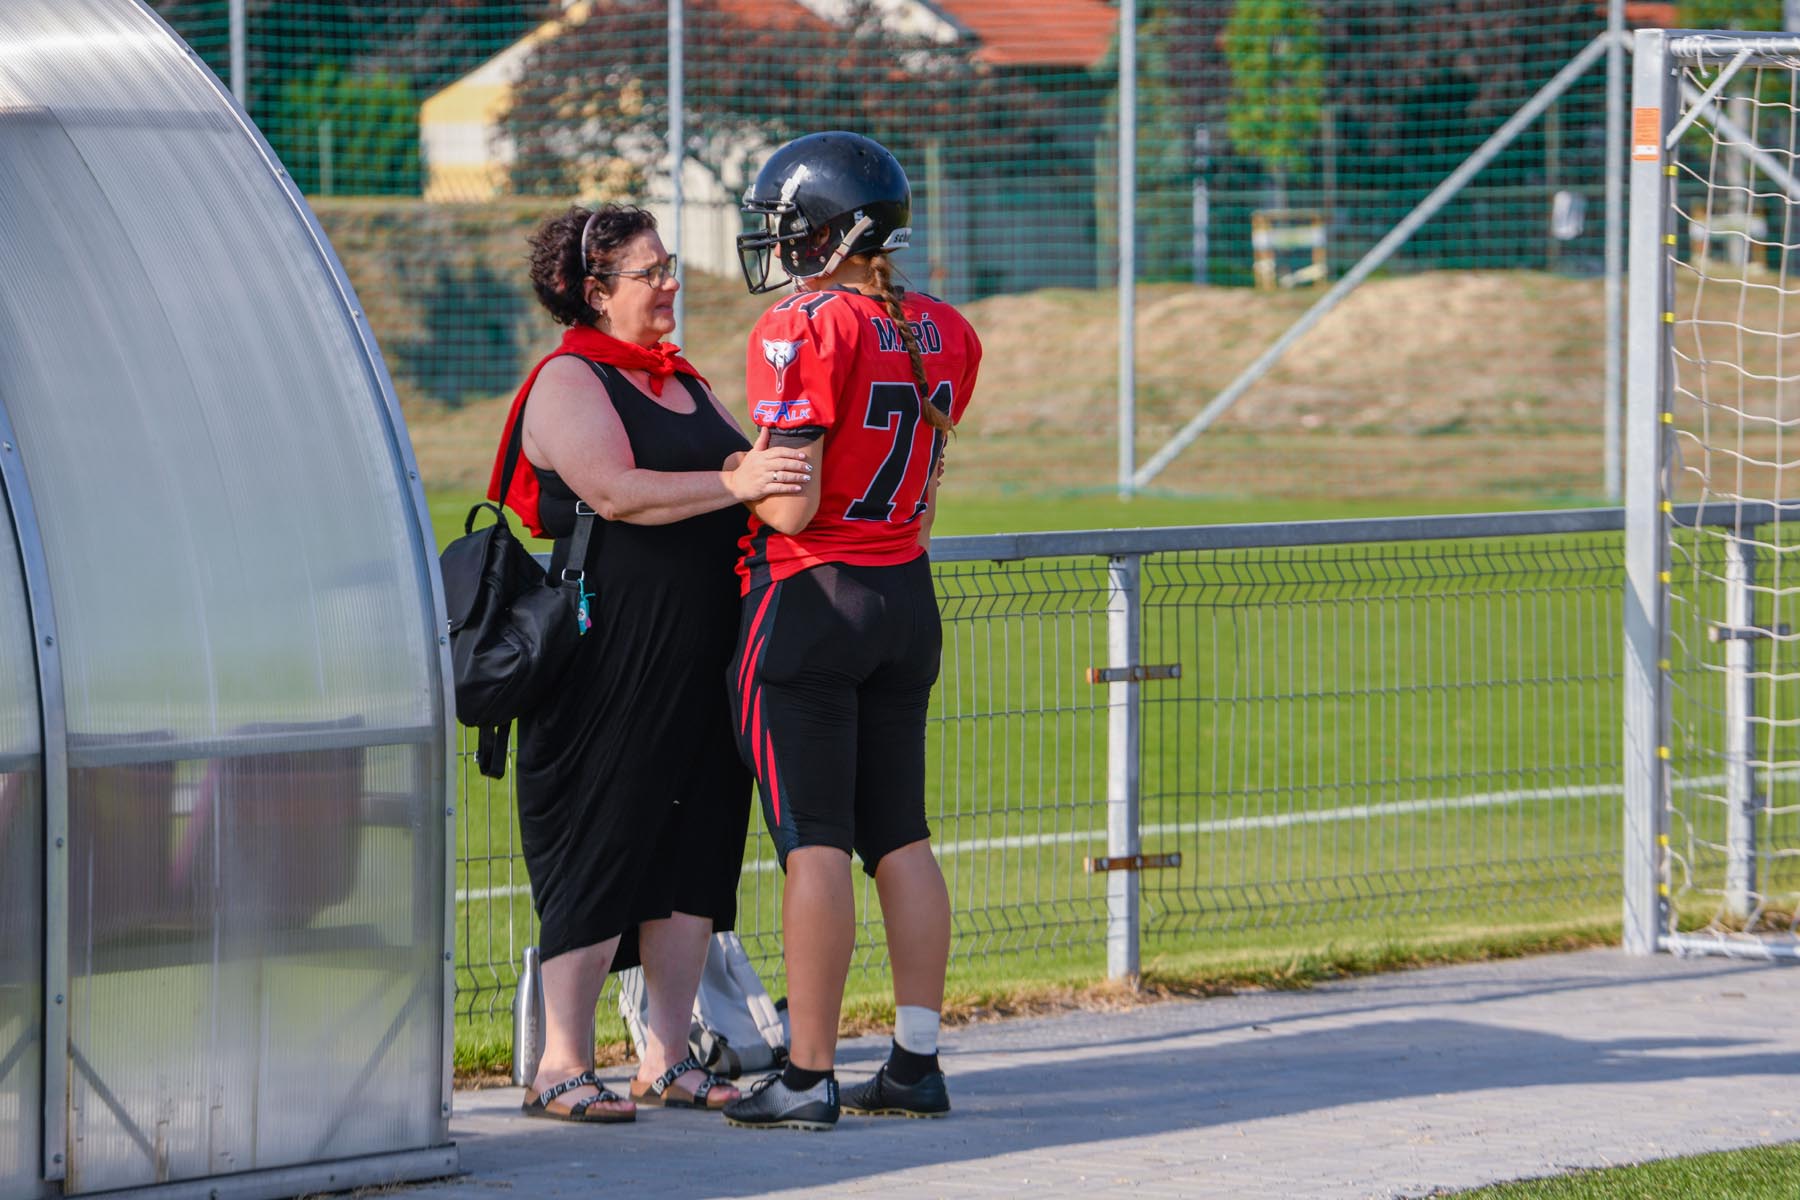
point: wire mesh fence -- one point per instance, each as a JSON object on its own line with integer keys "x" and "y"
{"x": 1277, "y": 140}
{"x": 1381, "y": 738}
{"x": 1386, "y": 734}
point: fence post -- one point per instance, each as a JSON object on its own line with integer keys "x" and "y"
{"x": 1128, "y": 132}
{"x": 1613, "y": 398}
{"x": 677, "y": 149}
{"x": 1122, "y": 641}
{"x": 236, "y": 38}
{"x": 1740, "y": 708}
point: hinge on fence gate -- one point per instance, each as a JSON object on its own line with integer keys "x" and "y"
{"x": 1716, "y": 632}
{"x": 1132, "y": 862}
{"x": 1133, "y": 674}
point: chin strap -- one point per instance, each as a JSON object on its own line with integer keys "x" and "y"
{"x": 843, "y": 247}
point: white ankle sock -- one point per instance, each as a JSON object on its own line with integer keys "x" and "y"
{"x": 916, "y": 1028}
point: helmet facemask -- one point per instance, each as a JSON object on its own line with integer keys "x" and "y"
{"x": 767, "y": 226}
{"x": 805, "y": 252}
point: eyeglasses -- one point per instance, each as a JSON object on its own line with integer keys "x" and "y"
{"x": 655, "y": 275}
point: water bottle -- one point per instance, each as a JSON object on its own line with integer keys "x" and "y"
{"x": 528, "y": 1019}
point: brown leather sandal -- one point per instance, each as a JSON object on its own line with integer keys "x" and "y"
{"x": 664, "y": 1093}
{"x": 582, "y": 1111}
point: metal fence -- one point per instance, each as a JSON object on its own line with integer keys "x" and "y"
{"x": 1308, "y": 731}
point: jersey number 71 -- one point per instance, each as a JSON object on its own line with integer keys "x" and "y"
{"x": 895, "y": 408}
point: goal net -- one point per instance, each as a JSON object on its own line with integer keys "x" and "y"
{"x": 1713, "y": 479}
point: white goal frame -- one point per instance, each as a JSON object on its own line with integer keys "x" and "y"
{"x": 1680, "y": 85}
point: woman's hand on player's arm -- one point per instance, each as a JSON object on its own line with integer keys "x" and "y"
{"x": 769, "y": 471}
{"x": 572, "y": 429}
{"x": 790, "y": 514}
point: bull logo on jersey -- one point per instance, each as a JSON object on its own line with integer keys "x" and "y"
{"x": 779, "y": 355}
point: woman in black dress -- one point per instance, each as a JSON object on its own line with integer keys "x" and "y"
{"x": 633, "y": 803}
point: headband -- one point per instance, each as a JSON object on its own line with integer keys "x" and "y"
{"x": 585, "y": 230}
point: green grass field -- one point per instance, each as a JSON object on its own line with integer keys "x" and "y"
{"x": 1763, "y": 1173}
{"x": 1444, "y": 715}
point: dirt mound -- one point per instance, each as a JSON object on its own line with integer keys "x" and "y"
{"x": 1441, "y": 352}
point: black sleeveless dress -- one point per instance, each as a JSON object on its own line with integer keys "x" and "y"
{"x": 633, "y": 802}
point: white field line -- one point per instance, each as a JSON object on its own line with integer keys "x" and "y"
{"x": 1352, "y": 812}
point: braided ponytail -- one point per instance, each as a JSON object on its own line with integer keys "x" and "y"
{"x": 881, "y": 273}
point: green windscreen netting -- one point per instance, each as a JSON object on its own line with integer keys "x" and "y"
{"x": 431, "y": 136}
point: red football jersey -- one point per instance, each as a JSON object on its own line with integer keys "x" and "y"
{"x": 835, "y": 359}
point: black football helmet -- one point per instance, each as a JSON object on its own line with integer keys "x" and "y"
{"x": 820, "y": 199}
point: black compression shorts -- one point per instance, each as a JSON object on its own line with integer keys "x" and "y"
{"x": 829, "y": 690}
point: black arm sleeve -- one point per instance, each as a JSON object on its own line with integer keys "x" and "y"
{"x": 804, "y": 435}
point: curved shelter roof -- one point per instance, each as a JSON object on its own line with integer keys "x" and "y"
{"x": 224, "y": 741}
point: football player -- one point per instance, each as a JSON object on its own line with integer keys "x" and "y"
{"x": 839, "y": 641}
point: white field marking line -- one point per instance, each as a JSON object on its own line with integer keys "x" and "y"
{"x": 1229, "y": 825}
{"x": 1353, "y": 812}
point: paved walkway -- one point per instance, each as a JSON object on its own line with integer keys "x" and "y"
{"x": 1380, "y": 1087}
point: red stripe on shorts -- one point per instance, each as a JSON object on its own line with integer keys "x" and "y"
{"x": 751, "y": 649}
{"x": 756, "y": 733}
{"x": 774, "y": 783}
{"x": 750, "y": 677}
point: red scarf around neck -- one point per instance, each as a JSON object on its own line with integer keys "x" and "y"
{"x": 659, "y": 362}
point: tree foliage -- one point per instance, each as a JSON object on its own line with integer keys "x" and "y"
{"x": 591, "y": 104}
{"x": 362, "y": 64}
{"x": 344, "y": 134}
{"x": 1276, "y": 52}
{"x": 1731, "y": 14}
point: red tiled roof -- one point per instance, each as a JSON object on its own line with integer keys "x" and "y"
{"x": 1036, "y": 33}
{"x": 1648, "y": 14}
{"x": 762, "y": 14}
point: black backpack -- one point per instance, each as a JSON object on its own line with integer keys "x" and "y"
{"x": 512, "y": 625}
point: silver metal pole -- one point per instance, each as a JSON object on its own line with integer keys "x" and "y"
{"x": 1127, "y": 246}
{"x": 54, "y": 716}
{"x": 677, "y": 147}
{"x": 1790, "y": 15}
{"x": 1740, "y": 701}
{"x": 239, "y": 68}
{"x": 1382, "y": 251}
{"x": 937, "y": 235}
{"x": 1122, "y": 815}
{"x": 1202, "y": 201}
{"x": 1611, "y": 399}
{"x": 325, "y": 180}
{"x": 1646, "y": 743}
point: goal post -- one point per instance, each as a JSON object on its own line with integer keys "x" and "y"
{"x": 1712, "y": 600}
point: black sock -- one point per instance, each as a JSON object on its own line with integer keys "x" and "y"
{"x": 906, "y": 1068}
{"x": 799, "y": 1079}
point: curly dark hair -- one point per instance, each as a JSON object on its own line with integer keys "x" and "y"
{"x": 557, "y": 272}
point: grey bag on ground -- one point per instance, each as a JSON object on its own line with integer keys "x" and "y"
{"x": 736, "y": 1029}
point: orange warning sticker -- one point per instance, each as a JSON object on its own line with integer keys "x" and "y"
{"x": 1646, "y": 134}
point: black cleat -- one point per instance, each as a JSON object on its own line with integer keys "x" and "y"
{"x": 882, "y": 1097}
{"x": 772, "y": 1104}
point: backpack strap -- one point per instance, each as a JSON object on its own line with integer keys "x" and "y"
{"x": 490, "y": 749}
{"x": 584, "y": 514}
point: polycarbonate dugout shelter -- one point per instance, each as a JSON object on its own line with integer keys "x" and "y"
{"x": 224, "y": 736}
